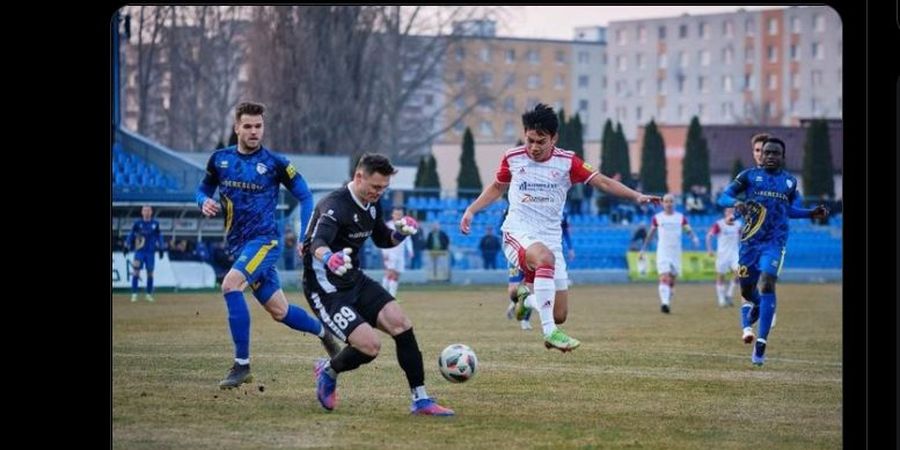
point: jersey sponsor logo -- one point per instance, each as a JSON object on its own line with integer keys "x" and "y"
{"x": 261, "y": 168}
{"x": 789, "y": 183}
{"x": 526, "y": 186}
{"x": 372, "y": 211}
{"x": 528, "y": 198}
{"x": 773, "y": 194}
{"x": 243, "y": 185}
{"x": 355, "y": 217}
{"x": 359, "y": 235}
{"x": 223, "y": 163}
{"x": 521, "y": 170}
{"x": 291, "y": 171}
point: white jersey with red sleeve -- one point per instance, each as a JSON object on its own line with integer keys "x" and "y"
{"x": 537, "y": 190}
{"x": 669, "y": 227}
{"x": 728, "y": 237}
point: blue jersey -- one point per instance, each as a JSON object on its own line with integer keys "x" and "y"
{"x": 769, "y": 197}
{"x": 248, "y": 192}
{"x": 145, "y": 237}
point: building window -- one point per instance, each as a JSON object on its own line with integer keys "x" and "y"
{"x": 621, "y": 63}
{"x": 533, "y": 57}
{"x": 583, "y": 81}
{"x": 487, "y": 79}
{"x": 773, "y": 81}
{"x": 486, "y": 128}
{"x": 682, "y": 31}
{"x": 582, "y": 105}
{"x": 769, "y": 110}
{"x": 603, "y": 82}
{"x": 663, "y": 61}
{"x": 661, "y": 86}
{"x": 749, "y": 82}
{"x": 795, "y": 80}
{"x": 682, "y": 59}
{"x": 818, "y": 23}
{"x": 531, "y": 103}
{"x": 620, "y": 36}
{"x": 818, "y": 52}
{"x": 701, "y": 112}
{"x": 704, "y": 57}
{"x": 584, "y": 57}
{"x": 510, "y": 79}
{"x": 681, "y": 112}
{"x": 702, "y": 85}
{"x": 773, "y": 26}
{"x": 795, "y": 25}
{"x": 509, "y": 129}
{"x": 727, "y": 55}
{"x": 681, "y": 84}
{"x": 772, "y": 54}
{"x": 485, "y": 54}
{"x": 728, "y": 29}
{"x": 704, "y": 30}
{"x": 727, "y": 109}
{"x": 795, "y": 52}
{"x": 559, "y": 82}
{"x": 642, "y": 33}
{"x": 560, "y": 57}
{"x": 511, "y": 56}
{"x": 460, "y": 53}
{"x": 749, "y": 27}
{"x": 534, "y": 81}
{"x": 639, "y": 85}
{"x": 726, "y": 83}
{"x": 815, "y": 106}
{"x": 816, "y": 78}
{"x": 749, "y": 54}
{"x": 640, "y": 60}
{"x": 638, "y": 113}
{"x": 509, "y": 104}
{"x": 661, "y": 32}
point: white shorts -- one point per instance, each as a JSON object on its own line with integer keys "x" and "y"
{"x": 727, "y": 264}
{"x": 668, "y": 263}
{"x": 514, "y": 246}
{"x": 393, "y": 261}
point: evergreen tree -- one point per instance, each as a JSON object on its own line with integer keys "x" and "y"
{"x": 420, "y": 172}
{"x": 736, "y": 168}
{"x": 431, "y": 180}
{"x": 695, "y": 169}
{"x": 608, "y": 144}
{"x": 233, "y": 139}
{"x": 563, "y": 132}
{"x": 818, "y": 174}
{"x": 576, "y": 137}
{"x": 623, "y": 162}
{"x": 468, "y": 182}
{"x": 653, "y": 161}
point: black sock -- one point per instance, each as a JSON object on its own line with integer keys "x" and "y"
{"x": 348, "y": 359}
{"x": 410, "y": 358}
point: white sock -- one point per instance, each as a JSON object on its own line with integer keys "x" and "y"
{"x": 545, "y": 296}
{"x": 731, "y": 285}
{"x": 665, "y": 292}
{"x": 385, "y": 282}
{"x": 418, "y": 393}
{"x": 242, "y": 361}
{"x": 720, "y": 292}
{"x": 392, "y": 287}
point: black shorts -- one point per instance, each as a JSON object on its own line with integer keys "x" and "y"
{"x": 344, "y": 310}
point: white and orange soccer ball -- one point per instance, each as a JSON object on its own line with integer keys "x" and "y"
{"x": 458, "y": 363}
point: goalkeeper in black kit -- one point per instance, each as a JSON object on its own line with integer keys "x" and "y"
{"x": 345, "y": 299}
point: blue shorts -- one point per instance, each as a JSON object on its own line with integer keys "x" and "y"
{"x": 257, "y": 262}
{"x": 755, "y": 259}
{"x": 515, "y": 275}
{"x": 144, "y": 260}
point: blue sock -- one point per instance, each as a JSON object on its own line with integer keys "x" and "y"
{"x": 298, "y": 319}
{"x": 767, "y": 305}
{"x": 149, "y": 284}
{"x": 745, "y": 315}
{"x": 753, "y": 313}
{"x": 134, "y": 286}
{"x": 239, "y": 322}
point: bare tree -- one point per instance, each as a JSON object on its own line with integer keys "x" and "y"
{"x": 150, "y": 23}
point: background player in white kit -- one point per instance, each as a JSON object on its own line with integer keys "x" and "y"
{"x": 668, "y": 250}
{"x": 395, "y": 257}
{"x": 538, "y": 176}
{"x": 728, "y": 230}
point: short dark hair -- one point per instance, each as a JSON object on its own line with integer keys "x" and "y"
{"x": 775, "y": 140}
{"x": 541, "y": 119}
{"x": 370, "y": 163}
{"x": 250, "y": 109}
{"x": 759, "y": 137}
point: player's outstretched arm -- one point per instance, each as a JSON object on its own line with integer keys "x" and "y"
{"x": 611, "y": 186}
{"x": 489, "y": 195}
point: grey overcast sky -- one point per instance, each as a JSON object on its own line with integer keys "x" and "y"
{"x": 559, "y": 22}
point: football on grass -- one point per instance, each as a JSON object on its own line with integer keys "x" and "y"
{"x": 458, "y": 363}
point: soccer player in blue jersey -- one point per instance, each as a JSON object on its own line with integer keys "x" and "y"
{"x": 248, "y": 176}
{"x": 346, "y": 299}
{"x": 144, "y": 240}
{"x": 770, "y": 192}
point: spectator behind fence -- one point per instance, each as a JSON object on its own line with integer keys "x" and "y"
{"x": 489, "y": 246}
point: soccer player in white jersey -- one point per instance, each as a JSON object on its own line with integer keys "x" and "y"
{"x": 395, "y": 257}
{"x": 538, "y": 176}
{"x": 728, "y": 230}
{"x": 670, "y": 224}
